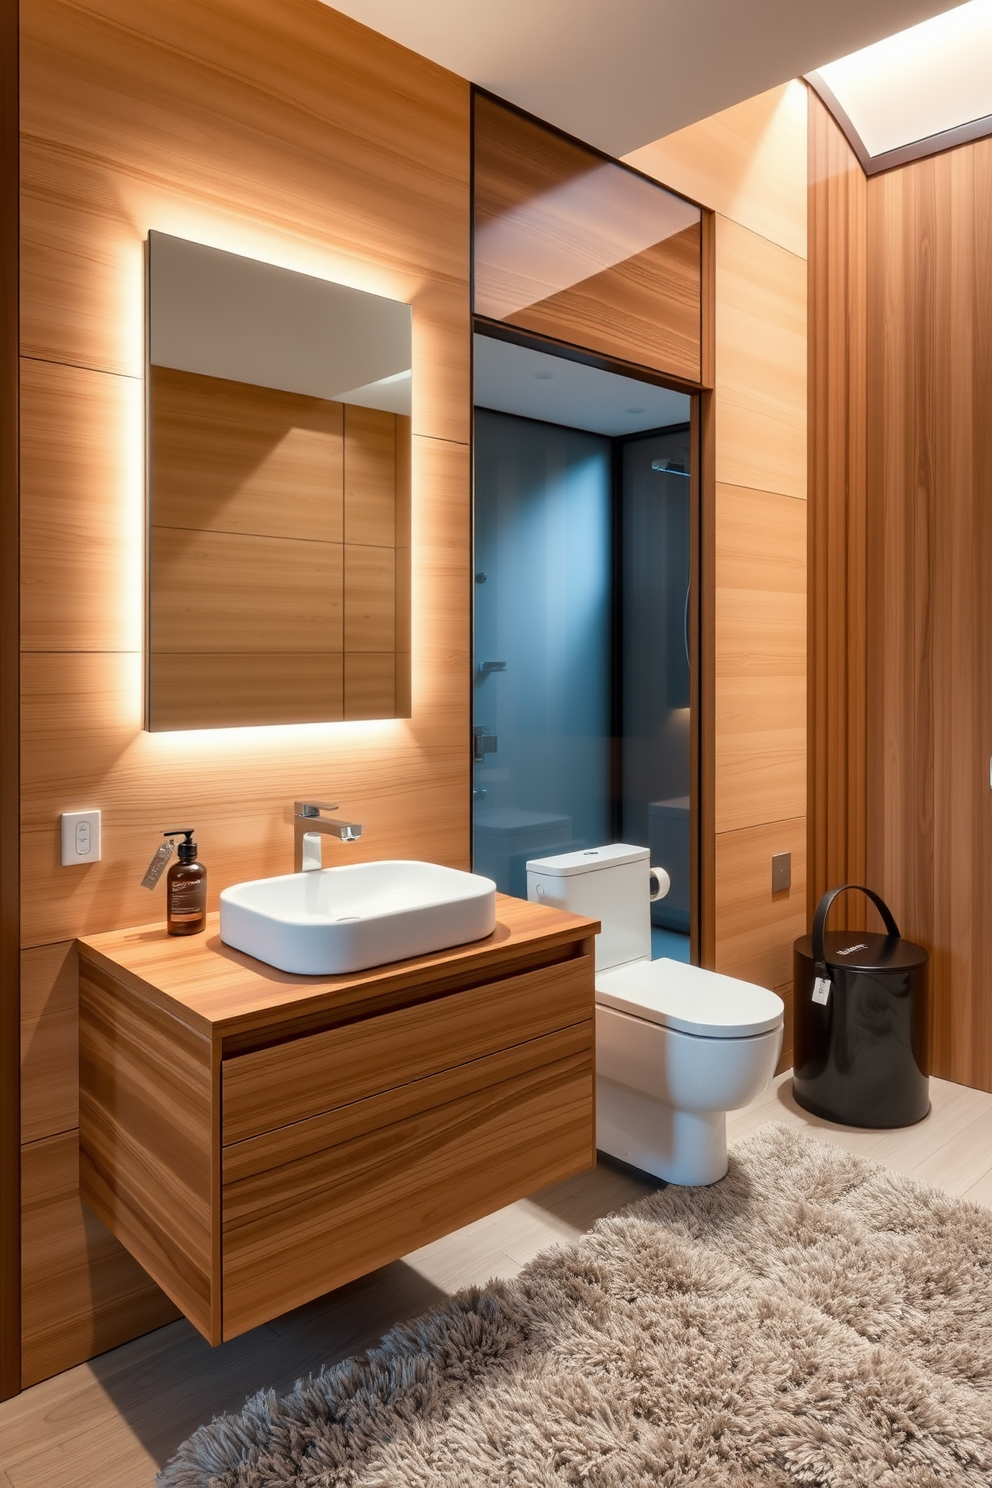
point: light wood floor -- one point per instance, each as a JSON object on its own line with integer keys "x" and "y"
{"x": 112, "y": 1423}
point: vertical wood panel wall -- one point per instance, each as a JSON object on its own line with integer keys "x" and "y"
{"x": 288, "y": 133}
{"x": 929, "y": 562}
{"x": 901, "y": 558}
{"x": 10, "y": 807}
{"x": 837, "y": 517}
{"x": 749, "y": 165}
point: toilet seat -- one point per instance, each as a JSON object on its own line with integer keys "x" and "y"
{"x": 689, "y": 999}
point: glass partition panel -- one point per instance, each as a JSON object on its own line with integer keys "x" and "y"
{"x": 571, "y": 245}
{"x": 581, "y": 692}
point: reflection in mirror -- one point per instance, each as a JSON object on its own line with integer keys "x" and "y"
{"x": 579, "y": 248}
{"x": 278, "y": 460}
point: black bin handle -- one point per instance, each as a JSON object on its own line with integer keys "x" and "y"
{"x": 820, "y": 920}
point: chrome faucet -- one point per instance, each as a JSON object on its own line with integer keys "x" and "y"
{"x": 309, "y": 826}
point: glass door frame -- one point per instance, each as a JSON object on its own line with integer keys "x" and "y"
{"x": 702, "y": 490}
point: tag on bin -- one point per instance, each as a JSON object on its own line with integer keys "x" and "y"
{"x": 821, "y": 990}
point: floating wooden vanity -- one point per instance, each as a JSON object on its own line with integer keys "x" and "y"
{"x": 255, "y": 1138}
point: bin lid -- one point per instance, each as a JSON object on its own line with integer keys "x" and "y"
{"x": 864, "y": 950}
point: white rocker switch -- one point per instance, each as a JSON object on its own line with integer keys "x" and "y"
{"x": 80, "y": 837}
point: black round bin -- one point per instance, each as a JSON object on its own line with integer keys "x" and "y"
{"x": 861, "y": 1022}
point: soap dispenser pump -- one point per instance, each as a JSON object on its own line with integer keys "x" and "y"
{"x": 186, "y": 888}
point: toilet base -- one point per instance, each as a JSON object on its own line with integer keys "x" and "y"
{"x": 684, "y": 1147}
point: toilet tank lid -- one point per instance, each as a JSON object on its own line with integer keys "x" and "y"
{"x": 689, "y": 999}
{"x": 588, "y": 860}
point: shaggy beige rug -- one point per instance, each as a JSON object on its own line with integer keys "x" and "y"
{"x": 812, "y": 1319}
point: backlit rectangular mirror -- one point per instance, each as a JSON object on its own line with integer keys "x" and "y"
{"x": 278, "y": 473}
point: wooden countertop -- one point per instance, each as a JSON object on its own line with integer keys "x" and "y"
{"x": 218, "y": 991}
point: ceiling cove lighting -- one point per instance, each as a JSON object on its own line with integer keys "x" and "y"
{"x": 920, "y": 91}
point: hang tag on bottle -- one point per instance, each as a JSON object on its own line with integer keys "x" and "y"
{"x": 157, "y": 865}
{"x": 821, "y": 990}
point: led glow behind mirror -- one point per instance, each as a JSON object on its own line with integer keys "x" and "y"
{"x": 278, "y": 467}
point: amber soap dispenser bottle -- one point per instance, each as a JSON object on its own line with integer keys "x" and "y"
{"x": 186, "y": 888}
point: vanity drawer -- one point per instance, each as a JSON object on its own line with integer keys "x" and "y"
{"x": 293, "y": 1081}
{"x": 312, "y": 1206}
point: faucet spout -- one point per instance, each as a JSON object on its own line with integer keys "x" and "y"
{"x": 309, "y": 825}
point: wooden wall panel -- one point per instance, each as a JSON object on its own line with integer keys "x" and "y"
{"x": 296, "y": 136}
{"x": 929, "y": 564}
{"x": 232, "y": 689}
{"x": 10, "y": 1264}
{"x": 760, "y": 362}
{"x": 82, "y": 1293}
{"x": 757, "y": 927}
{"x": 371, "y": 456}
{"x": 837, "y": 516}
{"x": 232, "y": 457}
{"x": 49, "y": 1041}
{"x": 81, "y": 509}
{"x": 211, "y": 590}
{"x": 748, "y": 163}
{"x": 760, "y": 657}
{"x": 369, "y": 685}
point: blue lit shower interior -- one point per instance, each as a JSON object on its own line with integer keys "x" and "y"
{"x": 581, "y": 677}
{"x": 543, "y": 605}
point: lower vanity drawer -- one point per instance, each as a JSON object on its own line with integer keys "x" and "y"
{"x": 312, "y": 1206}
{"x": 302, "y": 1077}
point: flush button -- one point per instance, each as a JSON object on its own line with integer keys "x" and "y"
{"x": 781, "y": 872}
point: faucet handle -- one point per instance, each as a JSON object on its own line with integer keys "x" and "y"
{"x": 313, "y": 808}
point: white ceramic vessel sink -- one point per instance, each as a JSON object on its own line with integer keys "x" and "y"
{"x": 336, "y": 920}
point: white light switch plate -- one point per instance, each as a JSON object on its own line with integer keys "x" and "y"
{"x": 80, "y": 837}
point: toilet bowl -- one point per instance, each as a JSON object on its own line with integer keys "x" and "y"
{"x": 677, "y": 1047}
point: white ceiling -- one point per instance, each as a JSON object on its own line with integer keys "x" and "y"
{"x": 514, "y": 379}
{"x": 621, "y": 73}
{"x": 932, "y": 77}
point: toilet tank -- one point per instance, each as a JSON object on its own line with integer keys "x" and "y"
{"x": 610, "y": 884}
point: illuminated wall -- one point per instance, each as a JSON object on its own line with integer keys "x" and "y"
{"x": 290, "y": 134}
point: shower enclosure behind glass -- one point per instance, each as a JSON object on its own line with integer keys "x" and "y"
{"x": 581, "y": 686}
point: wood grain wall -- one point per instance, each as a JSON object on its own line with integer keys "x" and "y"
{"x": 838, "y": 697}
{"x": 10, "y": 1282}
{"x": 929, "y": 562}
{"x": 290, "y": 134}
{"x": 749, "y": 165}
{"x": 901, "y": 561}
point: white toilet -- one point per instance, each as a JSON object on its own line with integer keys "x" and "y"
{"x": 676, "y": 1047}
